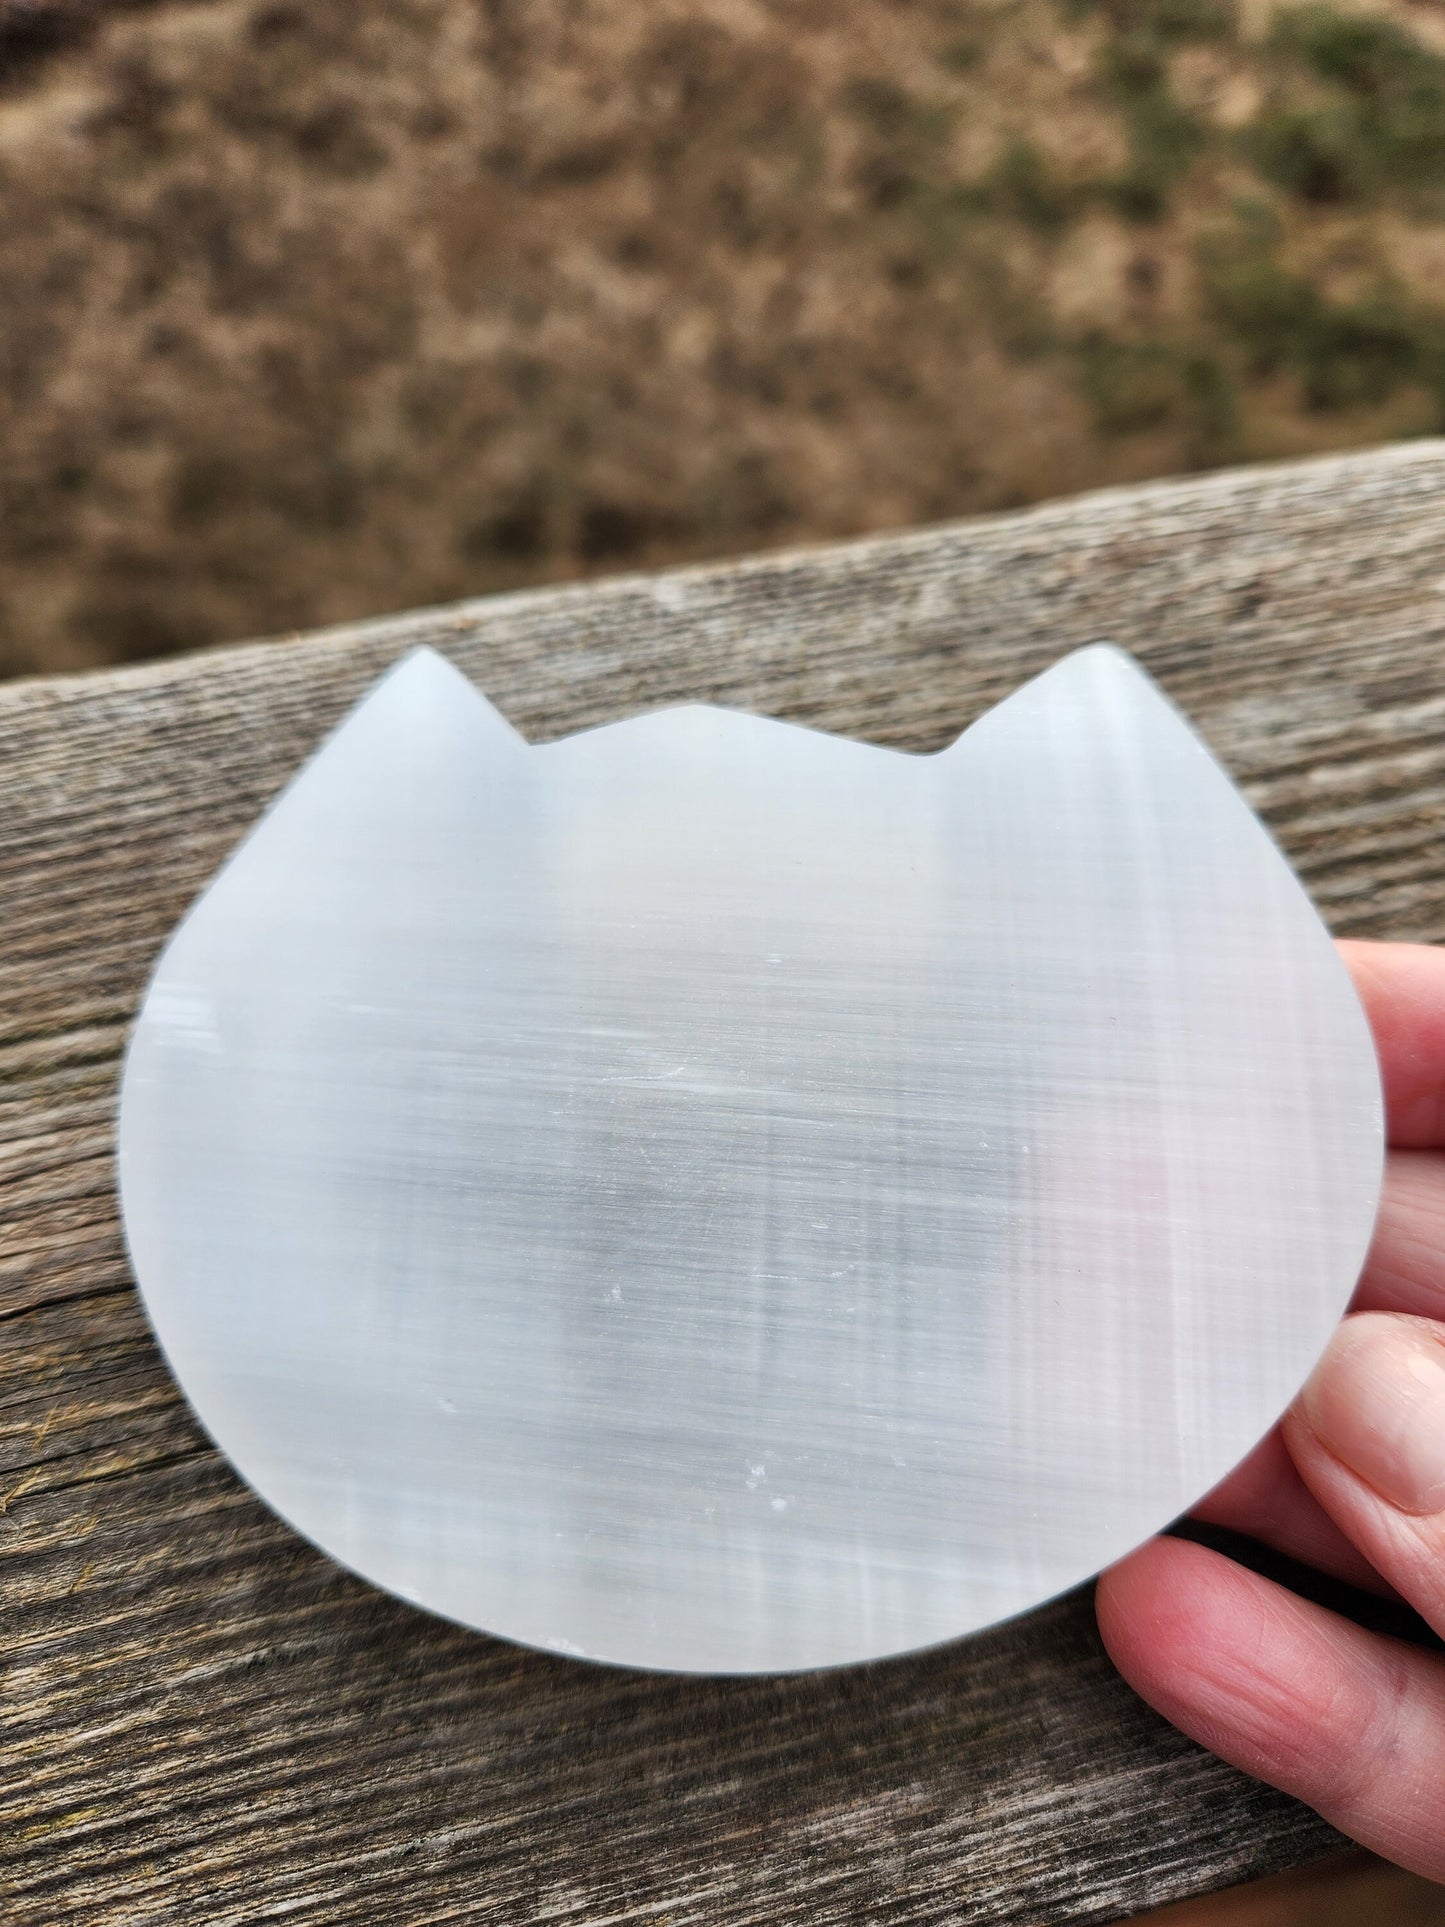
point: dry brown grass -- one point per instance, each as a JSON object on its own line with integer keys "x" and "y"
{"x": 309, "y": 311}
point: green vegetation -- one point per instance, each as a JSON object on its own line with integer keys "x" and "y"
{"x": 1313, "y": 153}
{"x": 962, "y": 56}
{"x": 1140, "y": 37}
{"x": 911, "y": 126}
{"x": 1024, "y": 187}
{"x": 1135, "y": 386}
{"x": 1163, "y": 137}
{"x": 1356, "y": 106}
{"x": 1344, "y": 353}
{"x": 1358, "y": 110}
{"x": 1354, "y": 111}
{"x": 1165, "y": 22}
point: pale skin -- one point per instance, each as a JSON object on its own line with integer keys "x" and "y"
{"x": 1352, "y": 1482}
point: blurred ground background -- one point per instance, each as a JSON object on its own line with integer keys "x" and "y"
{"x": 318, "y": 310}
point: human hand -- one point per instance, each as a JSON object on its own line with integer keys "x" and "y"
{"x": 1353, "y": 1483}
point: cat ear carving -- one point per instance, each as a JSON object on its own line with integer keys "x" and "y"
{"x": 710, "y": 1195}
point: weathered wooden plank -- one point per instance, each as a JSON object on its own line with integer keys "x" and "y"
{"x": 203, "y": 1719}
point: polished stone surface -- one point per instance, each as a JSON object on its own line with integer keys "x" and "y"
{"x": 708, "y": 1194}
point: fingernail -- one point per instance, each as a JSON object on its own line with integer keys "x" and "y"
{"x": 1377, "y": 1401}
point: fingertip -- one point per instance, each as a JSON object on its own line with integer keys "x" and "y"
{"x": 1271, "y": 1683}
{"x": 1228, "y": 1657}
{"x": 1153, "y": 1607}
{"x": 1266, "y": 1499}
{"x": 1128, "y": 1593}
{"x": 1339, "y": 1717}
{"x": 1402, "y": 988}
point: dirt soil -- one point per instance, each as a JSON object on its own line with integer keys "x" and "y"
{"x": 312, "y": 311}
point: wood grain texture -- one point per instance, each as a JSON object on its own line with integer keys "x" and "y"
{"x": 205, "y": 1721}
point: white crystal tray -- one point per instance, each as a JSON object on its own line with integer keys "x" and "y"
{"x": 712, "y": 1195}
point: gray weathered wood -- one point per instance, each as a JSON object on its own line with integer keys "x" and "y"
{"x": 206, "y": 1722}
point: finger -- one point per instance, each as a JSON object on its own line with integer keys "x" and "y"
{"x": 1266, "y": 1499}
{"x": 1368, "y": 1436}
{"x": 1348, "y": 1721}
{"x": 1405, "y": 1270}
{"x": 1402, "y": 987}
